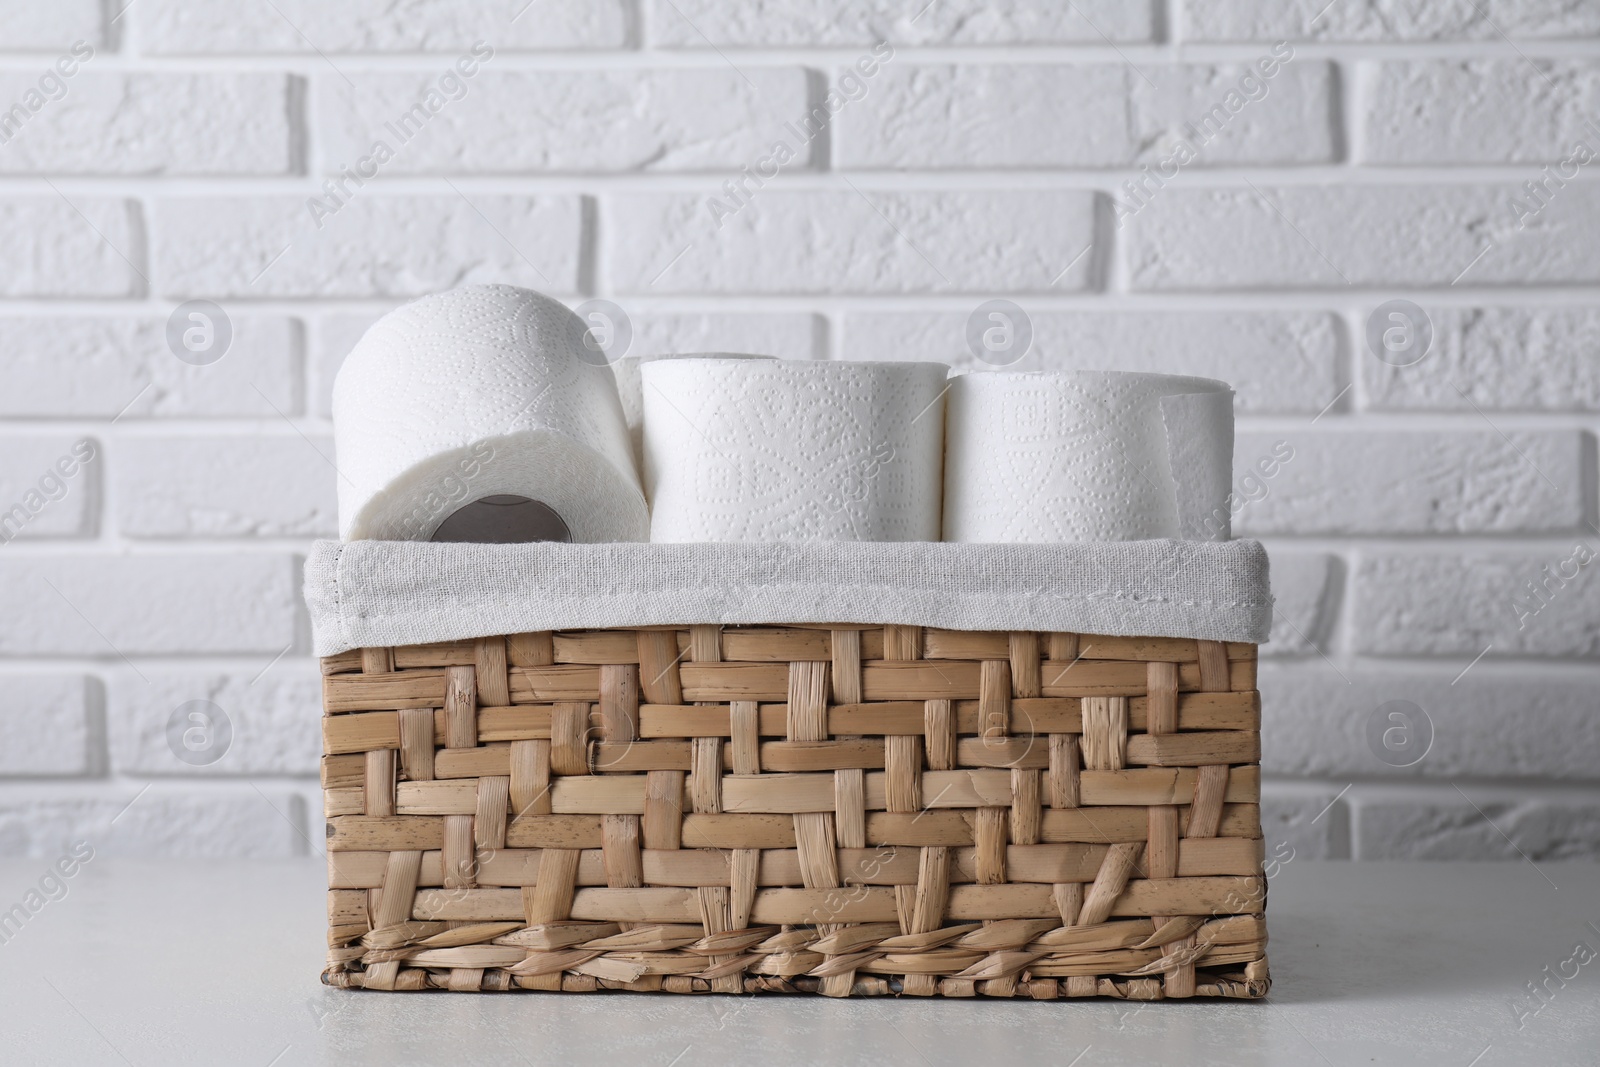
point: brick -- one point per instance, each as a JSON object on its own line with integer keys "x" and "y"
{"x": 81, "y": 367}
{"x": 160, "y": 822}
{"x": 116, "y": 123}
{"x": 1319, "y": 236}
{"x": 1098, "y": 116}
{"x": 1554, "y": 368}
{"x": 849, "y": 242}
{"x": 45, "y": 719}
{"x": 48, "y": 486}
{"x": 269, "y": 720}
{"x": 812, "y": 23}
{"x": 1501, "y": 827}
{"x": 57, "y": 247}
{"x": 1459, "y": 604}
{"x": 652, "y": 120}
{"x": 1230, "y": 114}
{"x": 988, "y": 116}
{"x": 1275, "y": 361}
{"x": 258, "y": 486}
{"x": 374, "y": 245}
{"x": 173, "y": 604}
{"x": 35, "y": 27}
{"x": 1315, "y": 722}
{"x": 1477, "y": 111}
{"x": 1305, "y": 592}
{"x": 1302, "y": 823}
{"x": 1412, "y": 481}
{"x": 307, "y": 26}
{"x": 1384, "y": 20}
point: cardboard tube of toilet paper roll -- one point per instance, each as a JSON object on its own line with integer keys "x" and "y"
{"x": 1087, "y": 456}
{"x": 792, "y": 450}
{"x": 478, "y": 392}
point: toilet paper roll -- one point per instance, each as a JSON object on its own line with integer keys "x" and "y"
{"x": 1087, "y": 456}
{"x": 478, "y": 392}
{"x": 630, "y": 389}
{"x": 790, "y": 450}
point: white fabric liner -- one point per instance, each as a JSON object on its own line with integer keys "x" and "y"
{"x": 376, "y": 593}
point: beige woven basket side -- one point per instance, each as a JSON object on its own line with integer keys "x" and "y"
{"x": 845, "y": 810}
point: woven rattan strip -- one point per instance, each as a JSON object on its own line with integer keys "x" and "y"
{"x": 846, "y": 811}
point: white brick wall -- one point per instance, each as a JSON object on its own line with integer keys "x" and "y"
{"x": 102, "y": 367}
{"x": 1443, "y": 481}
{"x": 815, "y": 24}
{"x": 629, "y": 149}
{"x": 1464, "y": 111}
{"x": 1383, "y": 21}
{"x": 247, "y": 27}
{"x": 32, "y": 27}
{"x": 578, "y": 121}
{"x": 48, "y": 715}
{"x": 1099, "y": 116}
{"x": 205, "y": 486}
{"x": 174, "y": 602}
{"x": 68, "y": 246}
{"x": 154, "y": 124}
{"x": 851, "y": 242}
{"x": 376, "y": 244}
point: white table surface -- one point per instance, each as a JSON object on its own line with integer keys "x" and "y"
{"x": 216, "y": 962}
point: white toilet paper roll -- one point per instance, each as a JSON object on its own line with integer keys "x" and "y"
{"x": 789, "y": 450}
{"x": 630, "y": 389}
{"x": 478, "y": 392}
{"x": 1087, "y": 456}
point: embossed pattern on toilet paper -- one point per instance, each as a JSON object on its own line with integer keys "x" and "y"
{"x": 757, "y": 450}
{"x": 1085, "y": 456}
{"x": 630, "y": 390}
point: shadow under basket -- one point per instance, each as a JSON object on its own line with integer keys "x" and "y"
{"x": 845, "y": 810}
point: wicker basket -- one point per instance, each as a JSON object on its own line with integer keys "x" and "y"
{"x": 844, "y": 810}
